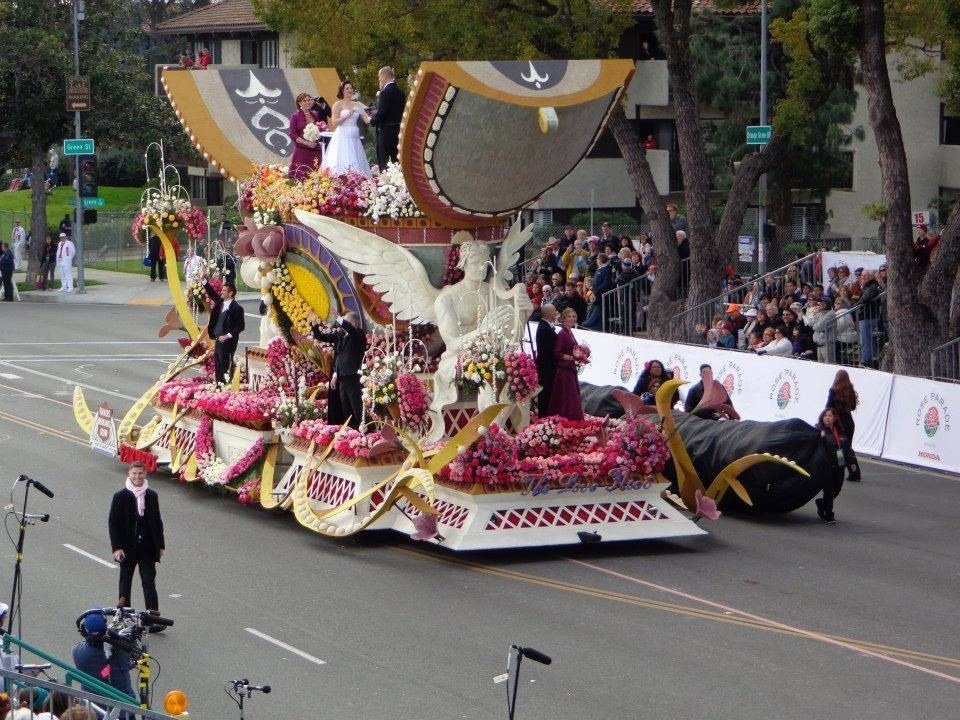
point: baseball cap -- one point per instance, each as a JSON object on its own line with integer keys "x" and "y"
{"x": 883, "y": 267}
{"x": 63, "y": 234}
{"x": 751, "y": 312}
{"x": 626, "y": 262}
{"x": 731, "y": 307}
{"x": 95, "y": 623}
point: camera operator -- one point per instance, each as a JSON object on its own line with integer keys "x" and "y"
{"x": 92, "y": 657}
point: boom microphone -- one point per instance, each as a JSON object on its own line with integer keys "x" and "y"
{"x": 37, "y": 484}
{"x": 534, "y": 655}
{"x": 265, "y": 689}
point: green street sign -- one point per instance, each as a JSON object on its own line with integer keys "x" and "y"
{"x": 94, "y": 202}
{"x": 78, "y": 146}
{"x": 758, "y": 134}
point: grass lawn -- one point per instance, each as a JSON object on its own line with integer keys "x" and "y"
{"x": 28, "y": 287}
{"x": 118, "y": 199}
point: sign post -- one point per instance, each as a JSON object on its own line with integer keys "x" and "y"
{"x": 78, "y": 93}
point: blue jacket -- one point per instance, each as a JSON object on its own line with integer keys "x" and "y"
{"x": 91, "y": 657}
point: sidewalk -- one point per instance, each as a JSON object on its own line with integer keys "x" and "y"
{"x": 118, "y": 288}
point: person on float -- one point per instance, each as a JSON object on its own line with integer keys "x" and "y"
{"x": 719, "y": 396}
{"x": 654, "y": 375}
{"x": 345, "y": 152}
{"x": 565, "y": 396}
{"x": 225, "y": 325}
{"x": 838, "y": 451}
{"x": 349, "y": 345}
{"x": 546, "y": 341}
{"x": 387, "y": 117}
{"x": 307, "y": 154}
{"x": 843, "y": 398}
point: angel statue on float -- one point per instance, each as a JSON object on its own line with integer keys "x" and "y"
{"x": 461, "y": 311}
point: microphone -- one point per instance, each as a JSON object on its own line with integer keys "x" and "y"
{"x": 534, "y": 655}
{"x": 37, "y": 484}
{"x": 235, "y": 683}
{"x": 265, "y": 689}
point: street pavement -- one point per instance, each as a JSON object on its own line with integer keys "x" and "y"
{"x": 767, "y": 617}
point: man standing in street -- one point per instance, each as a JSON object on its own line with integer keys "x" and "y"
{"x": 65, "y": 252}
{"x": 18, "y": 239}
{"x": 6, "y": 271}
{"x": 349, "y": 345}
{"x": 225, "y": 325}
{"x": 136, "y": 537}
{"x": 387, "y": 117}
{"x": 546, "y": 340}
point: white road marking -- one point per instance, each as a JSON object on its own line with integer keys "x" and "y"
{"x": 112, "y": 566}
{"x": 10, "y": 376}
{"x": 289, "y": 648}
{"x": 60, "y": 379}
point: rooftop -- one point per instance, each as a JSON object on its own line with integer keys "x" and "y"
{"x": 223, "y": 16}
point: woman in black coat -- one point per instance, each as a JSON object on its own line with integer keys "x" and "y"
{"x": 837, "y": 447}
{"x": 844, "y": 400}
{"x": 653, "y": 376}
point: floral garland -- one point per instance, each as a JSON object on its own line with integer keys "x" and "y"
{"x": 414, "y": 403}
{"x": 451, "y": 273}
{"x": 169, "y": 212}
{"x": 272, "y": 197}
{"x": 487, "y": 461}
{"x": 522, "y": 378}
{"x": 291, "y": 302}
{"x": 211, "y": 469}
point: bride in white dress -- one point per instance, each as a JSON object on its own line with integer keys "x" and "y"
{"x": 345, "y": 151}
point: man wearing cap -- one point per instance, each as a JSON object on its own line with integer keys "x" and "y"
{"x": 18, "y": 239}
{"x": 65, "y": 252}
{"x": 736, "y": 319}
{"x": 90, "y": 656}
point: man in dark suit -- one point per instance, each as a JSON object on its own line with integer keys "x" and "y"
{"x": 546, "y": 363}
{"x": 349, "y": 345}
{"x": 136, "y": 537}
{"x": 387, "y": 117}
{"x": 225, "y": 325}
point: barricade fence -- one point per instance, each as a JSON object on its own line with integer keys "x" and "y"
{"x": 899, "y": 418}
{"x": 945, "y": 362}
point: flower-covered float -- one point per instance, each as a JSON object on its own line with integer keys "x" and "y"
{"x": 447, "y": 449}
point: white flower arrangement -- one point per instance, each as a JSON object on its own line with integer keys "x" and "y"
{"x": 387, "y": 196}
{"x": 311, "y": 133}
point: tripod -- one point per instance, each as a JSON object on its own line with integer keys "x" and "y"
{"x": 522, "y": 652}
{"x": 238, "y": 690}
{"x": 25, "y": 520}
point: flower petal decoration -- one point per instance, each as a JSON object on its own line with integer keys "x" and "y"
{"x": 426, "y": 527}
{"x": 706, "y": 507}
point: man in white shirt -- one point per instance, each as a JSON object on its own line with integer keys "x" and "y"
{"x": 18, "y": 240}
{"x": 65, "y": 252}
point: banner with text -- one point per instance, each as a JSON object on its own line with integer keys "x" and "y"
{"x": 919, "y": 424}
{"x": 761, "y": 387}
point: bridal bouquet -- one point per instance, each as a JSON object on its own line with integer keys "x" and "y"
{"x": 311, "y": 132}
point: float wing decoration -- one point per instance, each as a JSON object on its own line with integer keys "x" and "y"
{"x": 388, "y": 268}
{"x": 529, "y": 122}
{"x": 510, "y": 251}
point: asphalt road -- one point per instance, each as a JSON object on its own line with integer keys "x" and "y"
{"x": 770, "y": 617}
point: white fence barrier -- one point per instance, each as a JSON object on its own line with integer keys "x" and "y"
{"x": 899, "y": 418}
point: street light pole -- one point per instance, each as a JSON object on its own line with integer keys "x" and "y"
{"x": 78, "y": 14}
{"x": 762, "y": 209}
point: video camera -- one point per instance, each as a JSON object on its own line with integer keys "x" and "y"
{"x": 125, "y": 630}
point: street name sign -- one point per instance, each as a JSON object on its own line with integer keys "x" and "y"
{"x": 89, "y": 202}
{"x": 78, "y": 146}
{"x": 758, "y": 134}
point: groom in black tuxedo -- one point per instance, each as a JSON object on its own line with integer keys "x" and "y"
{"x": 387, "y": 117}
{"x": 225, "y": 325}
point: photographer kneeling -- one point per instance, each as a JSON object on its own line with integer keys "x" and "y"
{"x": 92, "y": 657}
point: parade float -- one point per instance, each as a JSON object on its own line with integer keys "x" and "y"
{"x": 447, "y": 449}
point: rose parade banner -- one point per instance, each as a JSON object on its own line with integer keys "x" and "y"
{"x": 920, "y": 424}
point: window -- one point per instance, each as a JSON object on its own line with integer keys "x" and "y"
{"x": 248, "y": 52}
{"x": 269, "y": 54}
{"x": 843, "y": 175}
{"x": 542, "y": 218}
{"x": 949, "y": 128}
{"x": 198, "y": 187}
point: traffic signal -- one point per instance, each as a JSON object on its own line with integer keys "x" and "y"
{"x": 89, "y": 182}
{"x": 89, "y": 217}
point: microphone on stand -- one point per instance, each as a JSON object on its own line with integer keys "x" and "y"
{"x": 534, "y": 655}
{"x": 265, "y": 689}
{"x": 37, "y": 484}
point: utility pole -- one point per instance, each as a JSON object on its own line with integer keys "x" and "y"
{"x": 79, "y": 9}
{"x": 762, "y": 208}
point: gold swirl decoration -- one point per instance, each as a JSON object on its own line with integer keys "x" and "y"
{"x": 403, "y": 484}
{"x": 173, "y": 282}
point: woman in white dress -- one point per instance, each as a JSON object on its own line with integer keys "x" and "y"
{"x": 345, "y": 151}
